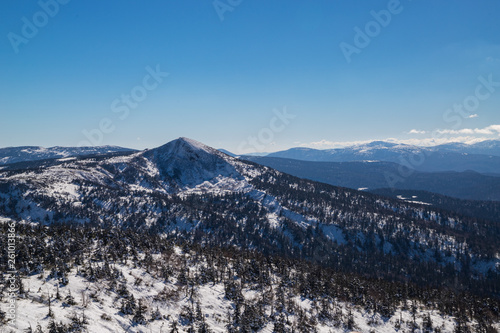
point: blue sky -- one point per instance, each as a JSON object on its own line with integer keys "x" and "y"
{"x": 235, "y": 68}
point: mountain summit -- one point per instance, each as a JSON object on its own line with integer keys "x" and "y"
{"x": 191, "y": 163}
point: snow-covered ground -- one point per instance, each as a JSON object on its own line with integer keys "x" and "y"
{"x": 99, "y": 302}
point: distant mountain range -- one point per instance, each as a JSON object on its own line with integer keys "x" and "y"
{"x": 32, "y": 153}
{"x": 483, "y": 157}
{"x": 374, "y": 175}
{"x": 488, "y": 147}
{"x": 370, "y": 166}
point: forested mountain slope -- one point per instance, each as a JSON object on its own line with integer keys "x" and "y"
{"x": 201, "y": 194}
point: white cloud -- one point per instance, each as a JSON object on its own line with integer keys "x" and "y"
{"x": 473, "y": 116}
{"x": 494, "y": 128}
{"x": 454, "y": 132}
{"x": 439, "y": 141}
{"x": 325, "y": 144}
{"x": 415, "y": 131}
{"x": 464, "y": 135}
{"x": 489, "y": 130}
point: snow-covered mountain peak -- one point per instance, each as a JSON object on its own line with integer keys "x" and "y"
{"x": 193, "y": 143}
{"x": 185, "y": 147}
{"x": 191, "y": 163}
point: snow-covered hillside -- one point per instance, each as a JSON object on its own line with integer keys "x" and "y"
{"x": 201, "y": 196}
{"x": 150, "y": 189}
{"x": 30, "y": 153}
{"x": 106, "y": 285}
{"x": 100, "y": 305}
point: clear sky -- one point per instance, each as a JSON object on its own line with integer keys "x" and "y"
{"x": 248, "y": 75}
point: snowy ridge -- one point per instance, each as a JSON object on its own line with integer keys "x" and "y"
{"x": 185, "y": 168}
{"x": 188, "y": 190}
{"x": 483, "y": 157}
{"x": 31, "y": 153}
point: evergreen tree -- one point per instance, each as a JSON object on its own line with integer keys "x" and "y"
{"x": 139, "y": 315}
{"x": 173, "y": 327}
{"x": 51, "y": 313}
{"x": 69, "y": 299}
{"x": 279, "y": 324}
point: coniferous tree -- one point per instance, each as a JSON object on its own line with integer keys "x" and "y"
{"x": 173, "y": 327}
{"x": 51, "y": 313}
{"x": 139, "y": 315}
{"x": 427, "y": 323}
{"x": 69, "y": 299}
{"x": 279, "y": 324}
